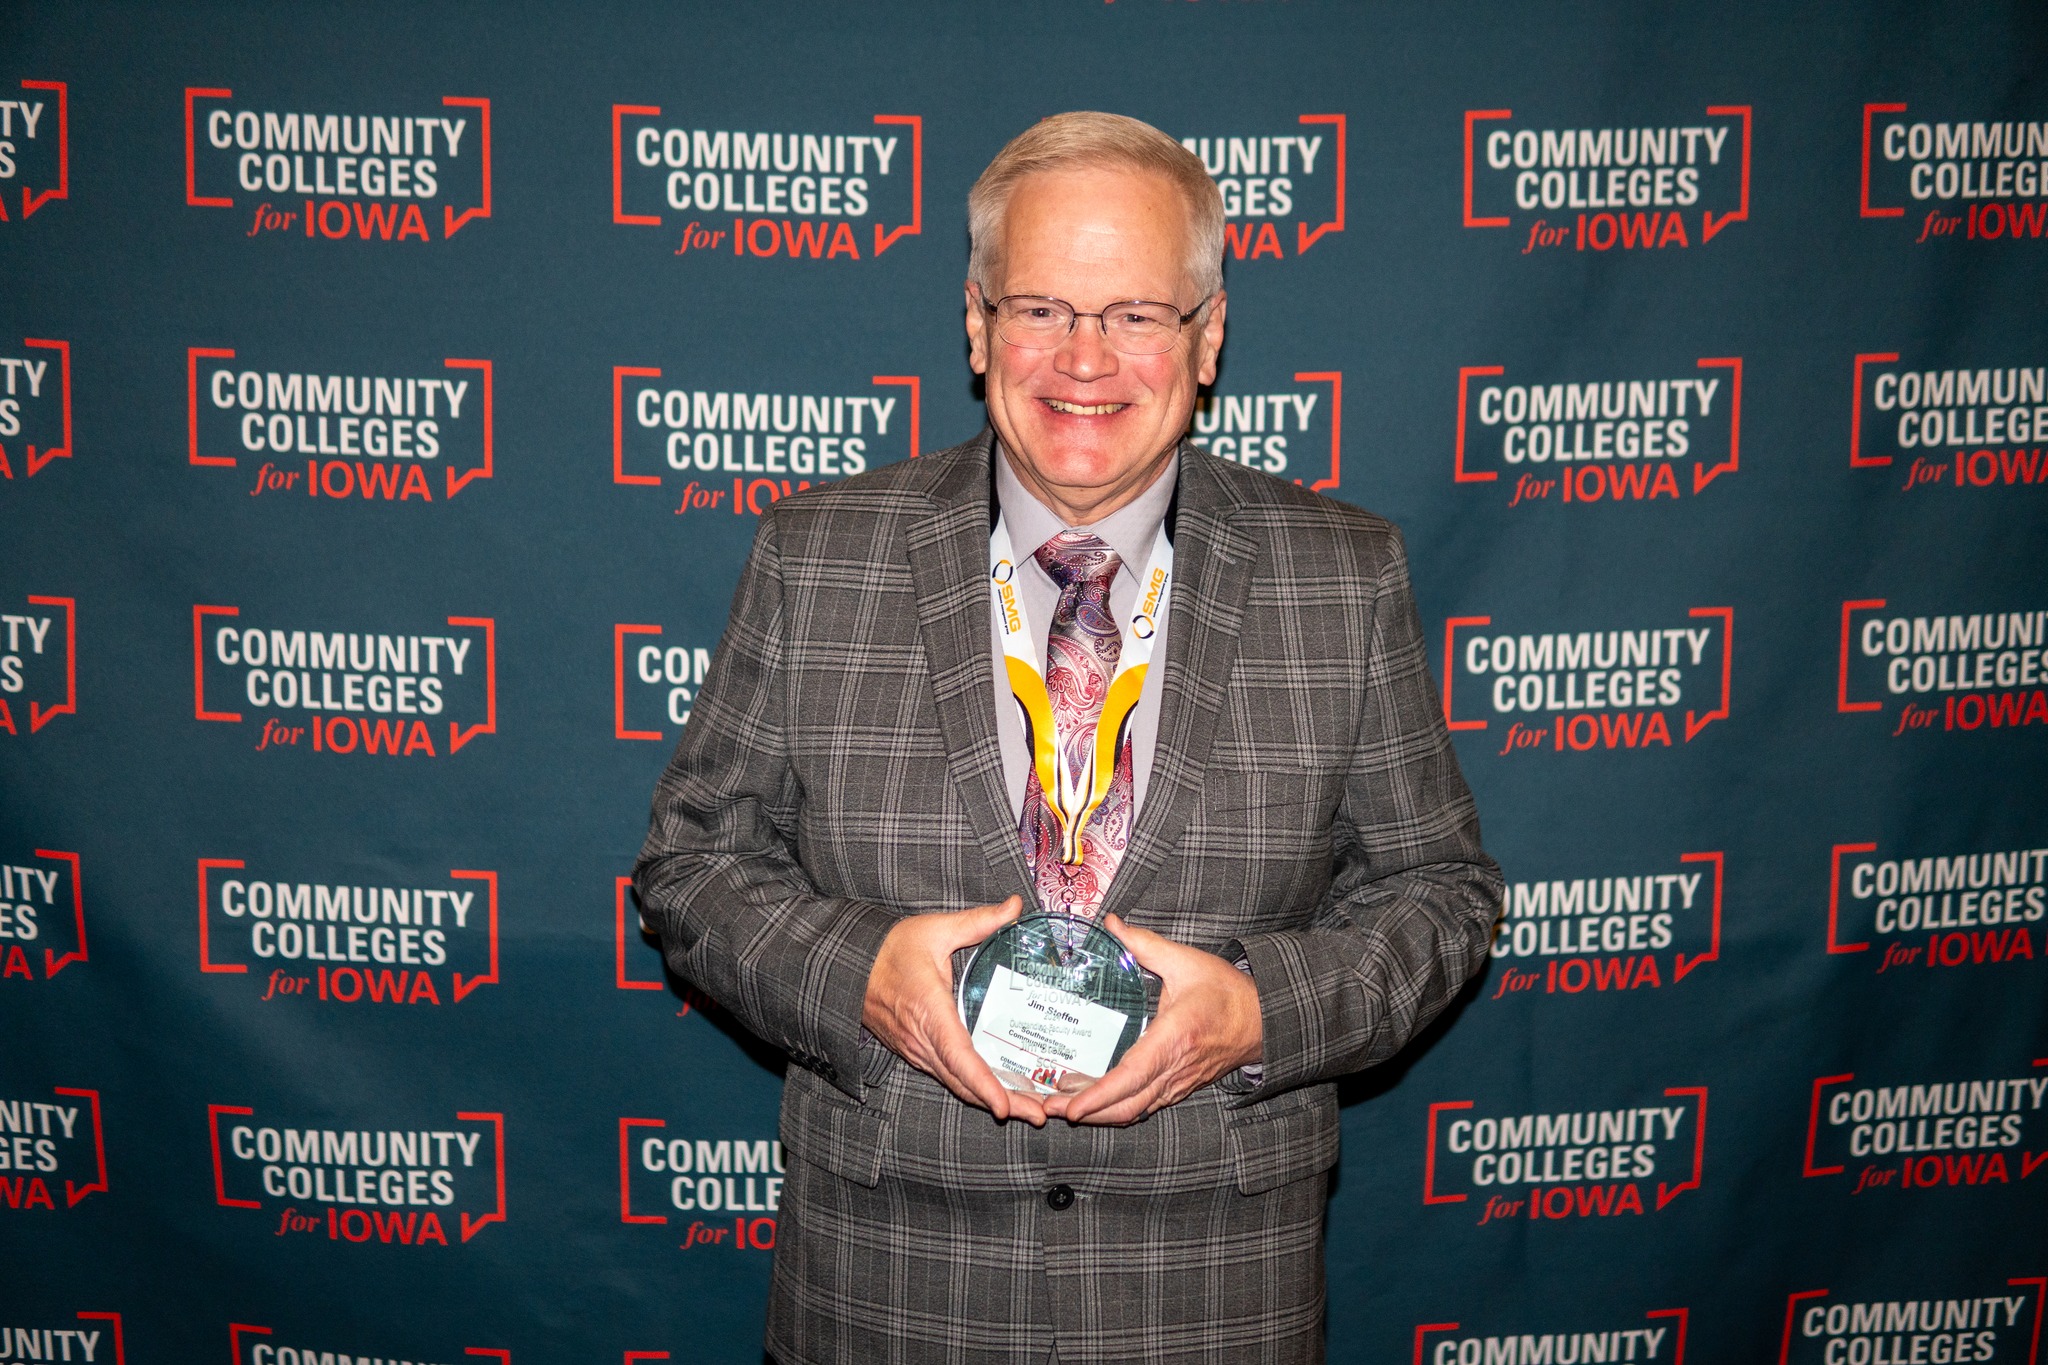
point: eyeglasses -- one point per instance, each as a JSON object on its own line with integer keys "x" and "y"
{"x": 1135, "y": 328}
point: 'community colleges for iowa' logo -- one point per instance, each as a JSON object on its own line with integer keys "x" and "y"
{"x": 1282, "y": 186}
{"x": 1647, "y": 685}
{"x": 35, "y": 147}
{"x": 1882, "y": 1134}
{"x": 400, "y": 432}
{"x": 1607, "y": 440}
{"x": 1631, "y": 1159}
{"x": 1943, "y": 672}
{"x": 1657, "y": 1338}
{"x": 848, "y": 191}
{"x": 1950, "y": 428}
{"x": 1955, "y": 180}
{"x": 432, "y": 1182}
{"x": 35, "y": 407}
{"x": 1934, "y": 911}
{"x": 1678, "y": 183}
{"x": 416, "y": 173}
{"x": 1958, "y": 1321}
{"x": 431, "y": 940}
{"x": 738, "y": 452}
{"x": 38, "y": 663}
{"x": 347, "y": 692}
{"x": 42, "y": 913}
{"x": 53, "y": 1149}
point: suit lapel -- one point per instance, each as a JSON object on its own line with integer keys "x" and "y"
{"x": 1214, "y": 563}
{"x": 948, "y": 551}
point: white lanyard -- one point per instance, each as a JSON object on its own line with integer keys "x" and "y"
{"x": 1074, "y": 796}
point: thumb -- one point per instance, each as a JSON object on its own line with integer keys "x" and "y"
{"x": 1150, "y": 949}
{"x": 977, "y": 924}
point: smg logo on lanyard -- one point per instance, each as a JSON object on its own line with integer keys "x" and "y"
{"x": 1075, "y": 787}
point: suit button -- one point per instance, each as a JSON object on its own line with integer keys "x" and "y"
{"x": 1059, "y": 1198}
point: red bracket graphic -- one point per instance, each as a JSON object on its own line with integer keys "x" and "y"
{"x": 1429, "y": 1194}
{"x": 619, "y": 214}
{"x": 1335, "y": 379}
{"x": 1791, "y": 1314}
{"x": 2040, "y": 1284}
{"x": 1305, "y": 236}
{"x": 1835, "y": 897}
{"x": 916, "y": 387}
{"x": 63, "y": 349}
{"x": 1701, "y": 477}
{"x": 1808, "y": 1169}
{"x": 73, "y": 1191}
{"x": 199, "y": 615}
{"x": 1694, "y": 725}
{"x": 1856, "y": 458}
{"x": 501, "y": 1354}
{"x": 193, "y": 355}
{"x": 120, "y": 1347}
{"x": 464, "y": 985}
{"x": 1863, "y": 203}
{"x": 451, "y": 222}
{"x": 471, "y": 1227}
{"x": 31, "y": 201}
{"x": 915, "y": 227}
{"x": 52, "y": 964}
{"x": 192, "y": 196}
{"x": 206, "y": 962}
{"x": 457, "y": 735}
{"x": 235, "y": 1330}
{"x": 620, "y": 885}
{"x": 1423, "y": 1329}
{"x": 1684, "y": 1316}
{"x": 1465, "y": 376}
{"x": 1667, "y": 1193}
{"x": 626, "y": 1214}
{"x": 1450, "y": 652}
{"x": 1842, "y": 703}
{"x": 40, "y": 715}
{"x": 619, "y": 634}
{"x": 457, "y": 482}
{"x": 619, "y": 474}
{"x": 1709, "y": 225}
{"x": 1473, "y": 116}
{"x": 220, "y": 1185}
{"x": 1681, "y": 964}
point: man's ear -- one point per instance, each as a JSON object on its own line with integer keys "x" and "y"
{"x": 977, "y": 330}
{"x": 1212, "y": 338}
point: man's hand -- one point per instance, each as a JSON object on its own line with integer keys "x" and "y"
{"x": 1208, "y": 1024}
{"x": 911, "y": 1009}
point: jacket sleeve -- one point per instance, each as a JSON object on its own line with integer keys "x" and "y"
{"x": 718, "y": 877}
{"x": 1410, "y": 910}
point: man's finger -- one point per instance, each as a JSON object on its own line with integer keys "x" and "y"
{"x": 1137, "y": 1069}
{"x": 1148, "y": 1096}
{"x": 971, "y": 1075}
{"x": 972, "y": 926}
{"x": 1152, "y": 951}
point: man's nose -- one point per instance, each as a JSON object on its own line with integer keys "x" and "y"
{"x": 1086, "y": 353}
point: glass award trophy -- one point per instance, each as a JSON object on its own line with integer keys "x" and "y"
{"x": 1053, "y": 999}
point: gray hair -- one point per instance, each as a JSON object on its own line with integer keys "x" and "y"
{"x": 1087, "y": 140}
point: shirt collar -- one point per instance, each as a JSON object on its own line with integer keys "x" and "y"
{"x": 1130, "y": 530}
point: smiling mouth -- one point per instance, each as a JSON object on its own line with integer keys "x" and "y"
{"x": 1084, "y": 409}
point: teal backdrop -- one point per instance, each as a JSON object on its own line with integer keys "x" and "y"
{"x": 388, "y": 398}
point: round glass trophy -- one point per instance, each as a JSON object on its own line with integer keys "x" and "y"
{"x": 1052, "y": 1002}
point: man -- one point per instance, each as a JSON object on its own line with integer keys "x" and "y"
{"x": 1285, "y": 839}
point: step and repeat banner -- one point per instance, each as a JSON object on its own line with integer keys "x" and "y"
{"x": 389, "y": 396}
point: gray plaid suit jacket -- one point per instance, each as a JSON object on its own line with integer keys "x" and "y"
{"x": 841, "y": 769}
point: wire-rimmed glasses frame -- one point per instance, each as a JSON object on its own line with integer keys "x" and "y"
{"x": 1038, "y": 322}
